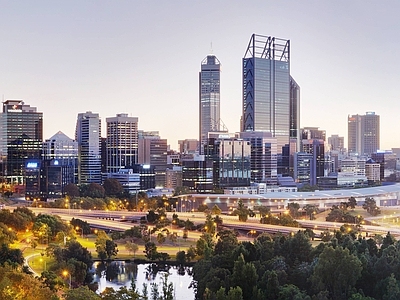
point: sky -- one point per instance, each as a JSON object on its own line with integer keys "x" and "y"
{"x": 143, "y": 58}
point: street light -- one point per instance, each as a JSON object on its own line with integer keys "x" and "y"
{"x": 77, "y": 228}
{"x": 65, "y": 274}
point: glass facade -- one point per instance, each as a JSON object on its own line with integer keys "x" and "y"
{"x": 20, "y": 139}
{"x": 231, "y": 162}
{"x": 270, "y": 95}
{"x": 209, "y": 90}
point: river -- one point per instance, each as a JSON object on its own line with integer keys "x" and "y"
{"x": 119, "y": 273}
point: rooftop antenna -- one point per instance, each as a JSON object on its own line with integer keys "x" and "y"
{"x": 211, "y": 50}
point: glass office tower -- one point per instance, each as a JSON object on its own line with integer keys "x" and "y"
{"x": 209, "y": 104}
{"x": 271, "y": 97}
{"x": 21, "y": 138}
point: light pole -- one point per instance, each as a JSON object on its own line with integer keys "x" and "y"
{"x": 65, "y": 274}
{"x": 77, "y": 228}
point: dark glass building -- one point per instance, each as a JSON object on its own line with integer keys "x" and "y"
{"x": 231, "y": 159}
{"x": 21, "y": 128}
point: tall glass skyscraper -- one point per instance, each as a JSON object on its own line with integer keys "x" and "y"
{"x": 209, "y": 102}
{"x": 21, "y": 128}
{"x": 88, "y": 136}
{"x": 271, "y": 97}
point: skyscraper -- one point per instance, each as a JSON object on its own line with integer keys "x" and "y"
{"x": 122, "y": 142}
{"x": 88, "y": 136}
{"x": 363, "y": 134}
{"x": 209, "y": 94}
{"x": 21, "y": 128}
{"x": 271, "y": 97}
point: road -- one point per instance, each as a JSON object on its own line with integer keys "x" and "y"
{"x": 114, "y": 220}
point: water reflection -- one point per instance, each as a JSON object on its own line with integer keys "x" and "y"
{"x": 119, "y": 273}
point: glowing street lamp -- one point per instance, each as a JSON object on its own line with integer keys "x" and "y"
{"x": 77, "y": 228}
{"x": 65, "y": 274}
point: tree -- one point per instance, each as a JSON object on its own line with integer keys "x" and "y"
{"x": 101, "y": 243}
{"x": 202, "y": 208}
{"x": 293, "y": 209}
{"x": 370, "y": 206}
{"x": 94, "y": 190}
{"x": 15, "y": 284}
{"x": 111, "y": 249}
{"x": 112, "y": 187}
{"x": 336, "y": 271}
{"x": 131, "y": 247}
{"x": 216, "y": 210}
{"x": 71, "y": 190}
{"x": 81, "y": 293}
{"x": 150, "y": 250}
{"x": 242, "y": 212}
{"x": 244, "y": 275}
{"x": 181, "y": 257}
{"x": 352, "y": 202}
{"x": 310, "y": 210}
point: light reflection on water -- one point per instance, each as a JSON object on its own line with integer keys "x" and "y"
{"x": 120, "y": 273}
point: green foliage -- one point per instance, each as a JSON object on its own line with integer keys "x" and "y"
{"x": 181, "y": 257}
{"x": 336, "y": 271}
{"x": 112, "y": 187}
{"x": 370, "y": 206}
{"x": 16, "y": 285}
{"x": 81, "y": 293}
{"x": 150, "y": 250}
{"x": 216, "y": 210}
{"x": 71, "y": 190}
{"x": 294, "y": 209}
{"x": 202, "y": 208}
{"x": 242, "y": 212}
{"x": 93, "y": 190}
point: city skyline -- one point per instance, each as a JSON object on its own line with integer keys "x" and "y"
{"x": 143, "y": 59}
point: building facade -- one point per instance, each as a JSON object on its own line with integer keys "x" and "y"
{"x": 363, "y": 134}
{"x": 88, "y": 136}
{"x": 264, "y": 166}
{"x": 231, "y": 159}
{"x": 21, "y": 132}
{"x": 271, "y": 98}
{"x": 153, "y": 150}
{"x": 121, "y": 142}
{"x": 209, "y": 98}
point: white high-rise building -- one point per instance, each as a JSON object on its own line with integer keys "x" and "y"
{"x": 88, "y": 136}
{"x": 122, "y": 142}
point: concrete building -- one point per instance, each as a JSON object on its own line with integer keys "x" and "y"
{"x": 188, "y": 146}
{"x": 363, "y": 134}
{"x": 121, "y": 142}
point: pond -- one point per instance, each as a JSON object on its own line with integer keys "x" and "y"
{"x": 119, "y": 273}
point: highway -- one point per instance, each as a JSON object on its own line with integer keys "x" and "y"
{"x": 121, "y": 221}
